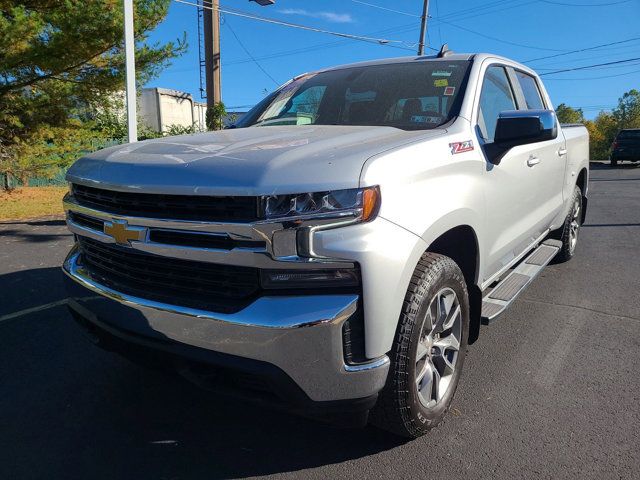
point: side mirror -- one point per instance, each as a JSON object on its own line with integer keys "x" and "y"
{"x": 521, "y": 127}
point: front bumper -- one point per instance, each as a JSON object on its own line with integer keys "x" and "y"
{"x": 299, "y": 335}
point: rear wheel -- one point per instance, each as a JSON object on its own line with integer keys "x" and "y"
{"x": 428, "y": 351}
{"x": 571, "y": 228}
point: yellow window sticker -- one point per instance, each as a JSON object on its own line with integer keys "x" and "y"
{"x": 441, "y": 83}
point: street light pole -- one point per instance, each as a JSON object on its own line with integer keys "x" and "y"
{"x": 423, "y": 27}
{"x": 130, "y": 72}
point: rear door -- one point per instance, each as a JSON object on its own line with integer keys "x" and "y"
{"x": 551, "y": 155}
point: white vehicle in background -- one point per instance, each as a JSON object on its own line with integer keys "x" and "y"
{"x": 339, "y": 249}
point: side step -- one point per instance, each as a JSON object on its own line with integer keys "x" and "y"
{"x": 507, "y": 290}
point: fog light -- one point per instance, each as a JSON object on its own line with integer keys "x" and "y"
{"x": 284, "y": 279}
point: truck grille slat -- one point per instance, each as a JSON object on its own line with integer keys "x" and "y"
{"x": 175, "y": 207}
{"x": 217, "y": 288}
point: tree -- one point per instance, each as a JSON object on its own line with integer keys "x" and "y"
{"x": 59, "y": 60}
{"x": 604, "y": 128}
{"x": 215, "y": 116}
{"x": 602, "y": 131}
{"x": 567, "y": 114}
{"x": 627, "y": 113}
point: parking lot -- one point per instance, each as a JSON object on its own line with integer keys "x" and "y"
{"x": 551, "y": 390}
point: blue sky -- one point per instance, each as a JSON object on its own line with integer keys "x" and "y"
{"x": 519, "y": 29}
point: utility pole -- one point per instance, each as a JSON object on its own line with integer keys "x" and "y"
{"x": 130, "y": 71}
{"x": 423, "y": 27}
{"x": 211, "y": 23}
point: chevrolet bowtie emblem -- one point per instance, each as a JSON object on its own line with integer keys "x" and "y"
{"x": 122, "y": 233}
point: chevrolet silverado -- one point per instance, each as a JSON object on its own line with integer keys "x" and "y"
{"x": 336, "y": 250}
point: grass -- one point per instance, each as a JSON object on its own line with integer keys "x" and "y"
{"x": 31, "y": 202}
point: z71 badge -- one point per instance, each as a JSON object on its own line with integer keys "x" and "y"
{"x": 461, "y": 147}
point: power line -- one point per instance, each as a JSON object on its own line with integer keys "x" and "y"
{"x": 321, "y": 46}
{"x": 469, "y": 12}
{"x": 584, "y": 4}
{"x": 249, "y": 54}
{"x": 238, "y": 13}
{"x": 439, "y": 30}
{"x": 380, "y": 7}
{"x": 497, "y": 39}
{"x": 441, "y": 20}
{"x": 583, "y": 49}
{"x": 576, "y": 60}
{"x": 586, "y": 67}
{"x": 593, "y": 78}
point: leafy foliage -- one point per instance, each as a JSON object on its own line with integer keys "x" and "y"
{"x": 566, "y": 114}
{"x": 215, "y": 116}
{"x": 59, "y": 61}
{"x": 604, "y": 128}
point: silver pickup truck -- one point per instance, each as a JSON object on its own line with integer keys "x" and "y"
{"x": 337, "y": 251}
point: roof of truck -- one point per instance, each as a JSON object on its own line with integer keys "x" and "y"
{"x": 406, "y": 59}
{"x": 424, "y": 58}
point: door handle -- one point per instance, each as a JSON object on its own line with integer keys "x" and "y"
{"x": 562, "y": 152}
{"x": 532, "y": 161}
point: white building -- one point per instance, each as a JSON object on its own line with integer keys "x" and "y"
{"x": 161, "y": 108}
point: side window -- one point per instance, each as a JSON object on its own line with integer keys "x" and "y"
{"x": 530, "y": 90}
{"x": 496, "y": 96}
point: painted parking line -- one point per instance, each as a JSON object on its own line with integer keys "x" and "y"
{"x": 27, "y": 311}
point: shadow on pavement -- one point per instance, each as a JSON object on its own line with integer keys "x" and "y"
{"x": 606, "y": 165}
{"x": 30, "y": 288}
{"x": 30, "y": 236}
{"x": 71, "y": 410}
{"x": 37, "y": 223}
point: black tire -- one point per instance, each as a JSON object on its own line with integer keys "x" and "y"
{"x": 614, "y": 162}
{"x": 565, "y": 234}
{"x": 400, "y": 408}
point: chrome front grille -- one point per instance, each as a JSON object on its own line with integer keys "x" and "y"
{"x": 217, "y": 241}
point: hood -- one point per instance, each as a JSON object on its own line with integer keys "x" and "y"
{"x": 244, "y": 161}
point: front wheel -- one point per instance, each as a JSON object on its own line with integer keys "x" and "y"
{"x": 429, "y": 350}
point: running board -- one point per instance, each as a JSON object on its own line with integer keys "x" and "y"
{"x": 507, "y": 290}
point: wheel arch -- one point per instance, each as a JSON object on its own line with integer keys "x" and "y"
{"x": 460, "y": 243}
{"x": 583, "y": 183}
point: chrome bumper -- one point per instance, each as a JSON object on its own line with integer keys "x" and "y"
{"x": 302, "y": 335}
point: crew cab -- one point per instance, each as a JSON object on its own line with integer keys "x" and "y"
{"x": 338, "y": 250}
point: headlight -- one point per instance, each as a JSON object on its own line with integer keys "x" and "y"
{"x": 363, "y": 203}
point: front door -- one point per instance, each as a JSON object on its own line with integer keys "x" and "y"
{"x": 521, "y": 193}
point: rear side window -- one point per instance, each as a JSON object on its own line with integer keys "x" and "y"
{"x": 530, "y": 90}
{"x": 496, "y": 96}
{"x": 629, "y": 134}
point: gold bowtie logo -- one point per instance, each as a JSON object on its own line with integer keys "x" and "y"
{"x": 122, "y": 233}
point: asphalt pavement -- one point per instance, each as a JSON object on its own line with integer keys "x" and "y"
{"x": 551, "y": 390}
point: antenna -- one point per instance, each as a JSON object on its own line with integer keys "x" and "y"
{"x": 444, "y": 51}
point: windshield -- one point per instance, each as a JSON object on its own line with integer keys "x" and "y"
{"x": 418, "y": 95}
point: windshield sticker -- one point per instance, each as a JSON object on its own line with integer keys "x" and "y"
{"x": 461, "y": 147}
{"x": 424, "y": 119}
{"x": 442, "y": 82}
{"x": 449, "y": 91}
{"x": 440, "y": 73}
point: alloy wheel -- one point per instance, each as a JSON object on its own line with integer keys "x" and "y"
{"x": 438, "y": 347}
